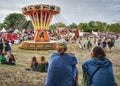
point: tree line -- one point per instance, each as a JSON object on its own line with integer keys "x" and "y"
{"x": 19, "y": 21}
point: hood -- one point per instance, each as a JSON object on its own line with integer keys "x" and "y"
{"x": 101, "y": 62}
{"x": 91, "y": 65}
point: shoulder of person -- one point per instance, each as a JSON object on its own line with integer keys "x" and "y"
{"x": 71, "y": 54}
{"x": 86, "y": 63}
{"x": 54, "y": 54}
{"x": 108, "y": 60}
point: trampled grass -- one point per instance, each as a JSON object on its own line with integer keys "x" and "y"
{"x": 18, "y": 76}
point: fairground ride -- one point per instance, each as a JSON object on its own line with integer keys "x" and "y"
{"x": 41, "y": 16}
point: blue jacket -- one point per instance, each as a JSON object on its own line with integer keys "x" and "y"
{"x": 61, "y": 70}
{"x": 104, "y": 75}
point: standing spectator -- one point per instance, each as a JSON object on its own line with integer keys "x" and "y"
{"x": 99, "y": 42}
{"x": 89, "y": 44}
{"x": 1, "y": 47}
{"x": 98, "y": 71}
{"x": 110, "y": 44}
{"x": 7, "y": 47}
{"x": 62, "y": 70}
{"x": 10, "y": 47}
{"x": 95, "y": 40}
{"x": 104, "y": 45}
{"x": 113, "y": 41}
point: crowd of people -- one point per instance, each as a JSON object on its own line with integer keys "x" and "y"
{"x": 61, "y": 69}
{"x": 6, "y": 56}
{"x": 5, "y": 46}
{"x": 9, "y": 60}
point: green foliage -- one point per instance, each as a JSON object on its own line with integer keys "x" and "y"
{"x": 83, "y": 82}
{"x": 85, "y": 27}
{"x": 72, "y": 26}
{"x": 56, "y": 25}
{"x": 99, "y": 26}
{"x": 26, "y": 25}
{"x": 18, "y": 21}
{"x": 13, "y": 20}
{"x": 2, "y": 26}
{"x": 114, "y": 28}
{"x": 92, "y": 24}
{"x": 52, "y": 27}
{"x": 60, "y": 24}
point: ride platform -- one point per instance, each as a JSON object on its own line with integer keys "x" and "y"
{"x": 31, "y": 45}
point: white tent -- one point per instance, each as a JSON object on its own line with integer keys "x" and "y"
{"x": 3, "y": 30}
{"x": 96, "y": 33}
{"x": 16, "y": 31}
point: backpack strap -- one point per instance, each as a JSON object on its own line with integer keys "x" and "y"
{"x": 94, "y": 73}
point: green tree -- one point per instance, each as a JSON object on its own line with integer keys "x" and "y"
{"x": 2, "y": 26}
{"x": 105, "y": 25}
{"x": 26, "y": 25}
{"x": 60, "y": 24}
{"x": 100, "y": 26}
{"x": 52, "y": 27}
{"x": 73, "y": 25}
{"x": 93, "y": 25}
{"x": 13, "y": 20}
{"x": 114, "y": 28}
{"x": 108, "y": 28}
{"x": 84, "y": 27}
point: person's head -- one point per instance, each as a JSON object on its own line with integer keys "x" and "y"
{"x": 12, "y": 56}
{"x": 98, "y": 52}
{"x": 42, "y": 59}
{"x": 61, "y": 46}
{"x": 34, "y": 59}
{"x": 3, "y": 54}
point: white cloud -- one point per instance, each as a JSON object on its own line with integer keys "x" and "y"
{"x": 72, "y": 10}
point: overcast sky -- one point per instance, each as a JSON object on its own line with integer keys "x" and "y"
{"x": 71, "y": 10}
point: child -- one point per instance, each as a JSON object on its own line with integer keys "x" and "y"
{"x": 3, "y": 59}
{"x": 43, "y": 65}
{"x": 34, "y": 64}
{"x": 11, "y": 60}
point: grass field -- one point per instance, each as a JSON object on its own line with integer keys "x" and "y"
{"x": 18, "y": 76}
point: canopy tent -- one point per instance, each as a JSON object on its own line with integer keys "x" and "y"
{"x": 3, "y": 30}
{"x": 96, "y": 33}
{"x": 16, "y": 31}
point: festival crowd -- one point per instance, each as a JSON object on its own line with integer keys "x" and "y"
{"x": 62, "y": 69}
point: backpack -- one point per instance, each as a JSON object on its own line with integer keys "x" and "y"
{"x": 87, "y": 80}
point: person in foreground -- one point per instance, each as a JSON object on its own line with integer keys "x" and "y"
{"x": 62, "y": 70}
{"x": 98, "y": 71}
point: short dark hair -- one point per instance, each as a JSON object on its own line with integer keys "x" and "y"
{"x": 98, "y": 52}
